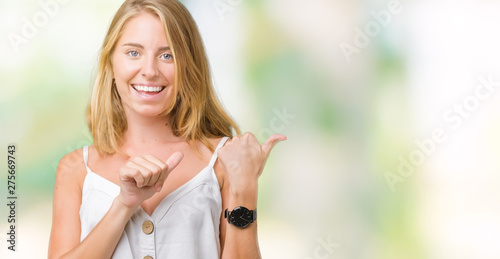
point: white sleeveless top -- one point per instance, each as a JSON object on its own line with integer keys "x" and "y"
{"x": 184, "y": 225}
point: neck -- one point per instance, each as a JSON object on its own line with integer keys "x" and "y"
{"x": 146, "y": 133}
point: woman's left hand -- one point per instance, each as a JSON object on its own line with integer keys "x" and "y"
{"x": 243, "y": 159}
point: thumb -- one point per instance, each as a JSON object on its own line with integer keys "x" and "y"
{"x": 174, "y": 160}
{"x": 270, "y": 142}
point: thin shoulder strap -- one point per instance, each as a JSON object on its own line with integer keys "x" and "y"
{"x": 85, "y": 154}
{"x": 214, "y": 156}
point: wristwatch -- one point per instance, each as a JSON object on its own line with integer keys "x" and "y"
{"x": 240, "y": 217}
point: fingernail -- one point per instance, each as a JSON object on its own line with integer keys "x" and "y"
{"x": 158, "y": 189}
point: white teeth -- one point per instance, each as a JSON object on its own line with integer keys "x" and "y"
{"x": 144, "y": 88}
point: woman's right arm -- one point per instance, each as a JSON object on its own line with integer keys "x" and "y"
{"x": 139, "y": 180}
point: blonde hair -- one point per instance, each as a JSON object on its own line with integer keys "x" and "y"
{"x": 196, "y": 113}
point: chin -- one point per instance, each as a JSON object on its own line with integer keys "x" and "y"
{"x": 151, "y": 113}
{"x": 148, "y": 112}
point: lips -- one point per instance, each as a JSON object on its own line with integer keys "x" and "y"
{"x": 148, "y": 89}
{"x": 148, "y": 92}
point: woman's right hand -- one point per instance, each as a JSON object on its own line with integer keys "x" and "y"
{"x": 142, "y": 176}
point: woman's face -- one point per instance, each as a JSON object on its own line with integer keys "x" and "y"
{"x": 143, "y": 67}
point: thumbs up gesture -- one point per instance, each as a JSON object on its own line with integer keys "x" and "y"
{"x": 243, "y": 159}
{"x": 143, "y": 176}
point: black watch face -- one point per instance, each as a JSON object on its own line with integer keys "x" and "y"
{"x": 240, "y": 217}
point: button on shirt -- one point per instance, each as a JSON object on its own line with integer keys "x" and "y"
{"x": 184, "y": 225}
{"x": 147, "y": 227}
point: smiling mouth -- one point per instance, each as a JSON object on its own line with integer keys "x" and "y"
{"x": 148, "y": 89}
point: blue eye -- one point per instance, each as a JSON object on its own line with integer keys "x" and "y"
{"x": 166, "y": 56}
{"x": 133, "y": 53}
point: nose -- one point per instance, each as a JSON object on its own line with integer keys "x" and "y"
{"x": 150, "y": 68}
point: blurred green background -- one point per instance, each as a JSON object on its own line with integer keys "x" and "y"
{"x": 390, "y": 109}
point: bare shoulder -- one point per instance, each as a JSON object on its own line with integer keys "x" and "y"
{"x": 71, "y": 167}
{"x": 215, "y": 141}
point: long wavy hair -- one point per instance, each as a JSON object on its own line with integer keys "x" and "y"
{"x": 196, "y": 113}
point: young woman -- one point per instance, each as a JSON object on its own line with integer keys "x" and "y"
{"x": 164, "y": 178}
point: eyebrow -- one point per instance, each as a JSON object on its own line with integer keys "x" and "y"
{"x": 137, "y": 45}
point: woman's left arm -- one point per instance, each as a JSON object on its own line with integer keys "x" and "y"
{"x": 243, "y": 159}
